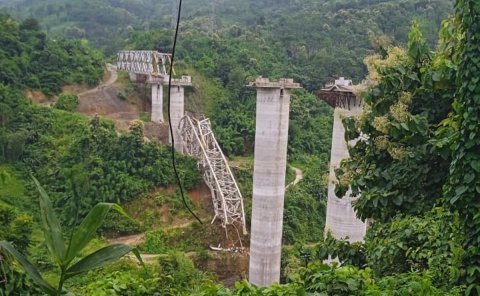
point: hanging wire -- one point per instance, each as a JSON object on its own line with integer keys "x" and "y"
{"x": 169, "y": 117}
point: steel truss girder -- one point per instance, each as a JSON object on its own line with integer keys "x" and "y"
{"x": 199, "y": 141}
{"x": 143, "y": 62}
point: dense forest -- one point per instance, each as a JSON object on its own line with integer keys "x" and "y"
{"x": 415, "y": 168}
{"x": 334, "y": 34}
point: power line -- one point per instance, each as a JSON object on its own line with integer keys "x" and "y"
{"x": 169, "y": 117}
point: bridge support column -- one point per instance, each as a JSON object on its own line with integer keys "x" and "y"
{"x": 270, "y": 160}
{"x": 157, "y": 102}
{"x": 177, "y": 111}
{"x": 341, "y": 218}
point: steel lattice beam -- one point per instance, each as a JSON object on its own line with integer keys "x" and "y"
{"x": 199, "y": 141}
{"x": 143, "y": 62}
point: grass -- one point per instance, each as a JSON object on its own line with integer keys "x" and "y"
{"x": 290, "y": 175}
{"x": 145, "y": 116}
{"x": 193, "y": 238}
{"x": 244, "y": 162}
{"x": 302, "y": 165}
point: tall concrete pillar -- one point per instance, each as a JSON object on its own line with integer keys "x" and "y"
{"x": 157, "y": 102}
{"x": 270, "y": 160}
{"x": 177, "y": 111}
{"x": 341, "y": 220}
{"x": 177, "y": 108}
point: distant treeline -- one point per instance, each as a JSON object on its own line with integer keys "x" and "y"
{"x": 321, "y": 39}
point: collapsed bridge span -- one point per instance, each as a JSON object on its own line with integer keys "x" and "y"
{"x": 199, "y": 141}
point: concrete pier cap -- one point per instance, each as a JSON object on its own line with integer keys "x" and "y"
{"x": 163, "y": 80}
{"x": 270, "y": 161}
{"x": 183, "y": 81}
{"x": 282, "y": 83}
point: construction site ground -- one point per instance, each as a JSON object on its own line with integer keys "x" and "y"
{"x": 104, "y": 100}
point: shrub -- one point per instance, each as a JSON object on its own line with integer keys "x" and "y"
{"x": 15, "y": 227}
{"x": 432, "y": 243}
{"x": 67, "y": 102}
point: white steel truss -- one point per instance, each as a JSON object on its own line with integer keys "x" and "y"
{"x": 143, "y": 62}
{"x": 199, "y": 141}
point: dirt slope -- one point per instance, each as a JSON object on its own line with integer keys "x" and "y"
{"x": 103, "y": 100}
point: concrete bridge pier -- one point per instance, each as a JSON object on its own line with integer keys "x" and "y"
{"x": 270, "y": 160}
{"x": 341, "y": 218}
{"x": 177, "y": 103}
{"x": 177, "y": 109}
{"x": 157, "y": 102}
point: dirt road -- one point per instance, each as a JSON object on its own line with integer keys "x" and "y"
{"x": 103, "y": 100}
{"x": 298, "y": 177}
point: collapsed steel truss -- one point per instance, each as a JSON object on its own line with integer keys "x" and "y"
{"x": 199, "y": 141}
{"x": 143, "y": 62}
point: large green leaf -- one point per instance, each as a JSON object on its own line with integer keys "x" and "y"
{"x": 87, "y": 229}
{"x": 136, "y": 252}
{"x": 51, "y": 226}
{"x": 98, "y": 259}
{"x": 28, "y": 267}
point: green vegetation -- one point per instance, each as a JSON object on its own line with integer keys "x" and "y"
{"x": 172, "y": 274}
{"x": 414, "y": 165}
{"x": 81, "y": 162}
{"x": 300, "y": 34}
{"x": 145, "y": 117}
{"x": 12, "y": 191}
{"x": 182, "y": 239}
{"x": 91, "y": 160}
{"x": 67, "y": 102}
{"x": 30, "y": 59}
{"x": 319, "y": 279}
{"x": 176, "y": 275}
{"x": 15, "y": 227}
{"x": 67, "y": 257}
{"x": 463, "y": 186}
{"x": 412, "y": 95}
{"x": 432, "y": 243}
{"x": 414, "y": 132}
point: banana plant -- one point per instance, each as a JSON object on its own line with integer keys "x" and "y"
{"x": 67, "y": 256}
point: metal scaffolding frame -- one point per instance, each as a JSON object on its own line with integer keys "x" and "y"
{"x": 199, "y": 141}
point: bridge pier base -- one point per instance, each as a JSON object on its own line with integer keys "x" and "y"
{"x": 270, "y": 160}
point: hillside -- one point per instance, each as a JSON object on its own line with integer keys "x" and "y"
{"x": 334, "y": 34}
{"x": 81, "y": 161}
{"x": 415, "y": 164}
